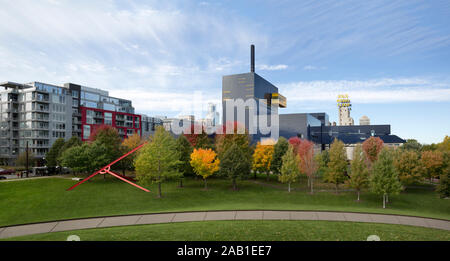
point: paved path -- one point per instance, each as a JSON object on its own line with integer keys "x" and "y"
{"x": 21, "y": 230}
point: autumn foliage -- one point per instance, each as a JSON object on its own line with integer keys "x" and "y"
{"x": 408, "y": 166}
{"x": 433, "y": 163}
{"x": 204, "y": 162}
{"x": 372, "y": 147}
{"x": 199, "y": 140}
{"x": 262, "y": 158}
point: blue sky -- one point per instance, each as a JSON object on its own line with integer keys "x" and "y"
{"x": 391, "y": 57}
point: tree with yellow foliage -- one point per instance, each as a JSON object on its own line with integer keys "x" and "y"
{"x": 205, "y": 163}
{"x": 262, "y": 157}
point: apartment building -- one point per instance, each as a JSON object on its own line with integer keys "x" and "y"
{"x": 39, "y": 113}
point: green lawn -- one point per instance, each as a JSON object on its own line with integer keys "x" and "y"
{"x": 47, "y": 199}
{"x": 251, "y": 230}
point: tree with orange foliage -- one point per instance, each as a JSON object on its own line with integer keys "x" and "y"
{"x": 408, "y": 166}
{"x": 372, "y": 147}
{"x": 128, "y": 144}
{"x": 262, "y": 157}
{"x": 307, "y": 164}
{"x": 432, "y": 161}
{"x": 205, "y": 163}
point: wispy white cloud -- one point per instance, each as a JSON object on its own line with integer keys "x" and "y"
{"x": 265, "y": 67}
{"x": 313, "y": 68}
{"x": 384, "y": 90}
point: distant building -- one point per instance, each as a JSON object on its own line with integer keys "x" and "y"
{"x": 344, "y": 107}
{"x": 316, "y": 128}
{"x": 39, "y": 113}
{"x": 149, "y": 125}
{"x": 212, "y": 117}
{"x": 250, "y": 86}
{"x": 364, "y": 120}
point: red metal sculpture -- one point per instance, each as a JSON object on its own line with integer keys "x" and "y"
{"x": 107, "y": 169}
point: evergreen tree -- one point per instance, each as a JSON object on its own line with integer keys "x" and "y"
{"x": 384, "y": 178}
{"x": 158, "y": 160}
{"x": 359, "y": 175}
{"x": 52, "y": 156}
{"x": 233, "y": 165}
{"x": 337, "y": 165}
{"x": 184, "y": 149}
{"x": 444, "y": 184}
{"x": 280, "y": 149}
{"x": 225, "y": 140}
{"x": 322, "y": 160}
{"x": 289, "y": 168}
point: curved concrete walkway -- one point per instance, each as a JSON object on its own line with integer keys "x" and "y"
{"x": 76, "y": 224}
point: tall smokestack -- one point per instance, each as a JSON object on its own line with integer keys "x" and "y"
{"x": 252, "y": 58}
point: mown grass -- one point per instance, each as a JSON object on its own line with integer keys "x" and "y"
{"x": 250, "y": 231}
{"x": 38, "y": 200}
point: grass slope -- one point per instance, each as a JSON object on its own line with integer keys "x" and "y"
{"x": 47, "y": 199}
{"x": 251, "y": 230}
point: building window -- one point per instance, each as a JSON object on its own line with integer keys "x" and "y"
{"x": 108, "y": 118}
{"x": 86, "y": 131}
{"x": 136, "y": 122}
{"x": 109, "y": 107}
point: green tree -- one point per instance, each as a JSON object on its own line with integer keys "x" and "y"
{"x": 107, "y": 142}
{"x": 412, "y": 145}
{"x": 77, "y": 158}
{"x": 359, "y": 174}
{"x": 224, "y": 141}
{"x": 73, "y": 141}
{"x": 337, "y": 165}
{"x": 158, "y": 160}
{"x": 233, "y": 165}
{"x": 322, "y": 160}
{"x": 384, "y": 178}
{"x": 184, "y": 149}
{"x": 429, "y": 147}
{"x": 280, "y": 149}
{"x": 52, "y": 156}
{"x": 444, "y": 184}
{"x": 99, "y": 156}
{"x": 289, "y": 167}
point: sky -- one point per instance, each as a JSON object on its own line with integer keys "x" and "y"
{"x": 391, "y": 57}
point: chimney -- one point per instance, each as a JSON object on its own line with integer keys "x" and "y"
{"x": 252, "y": 58}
